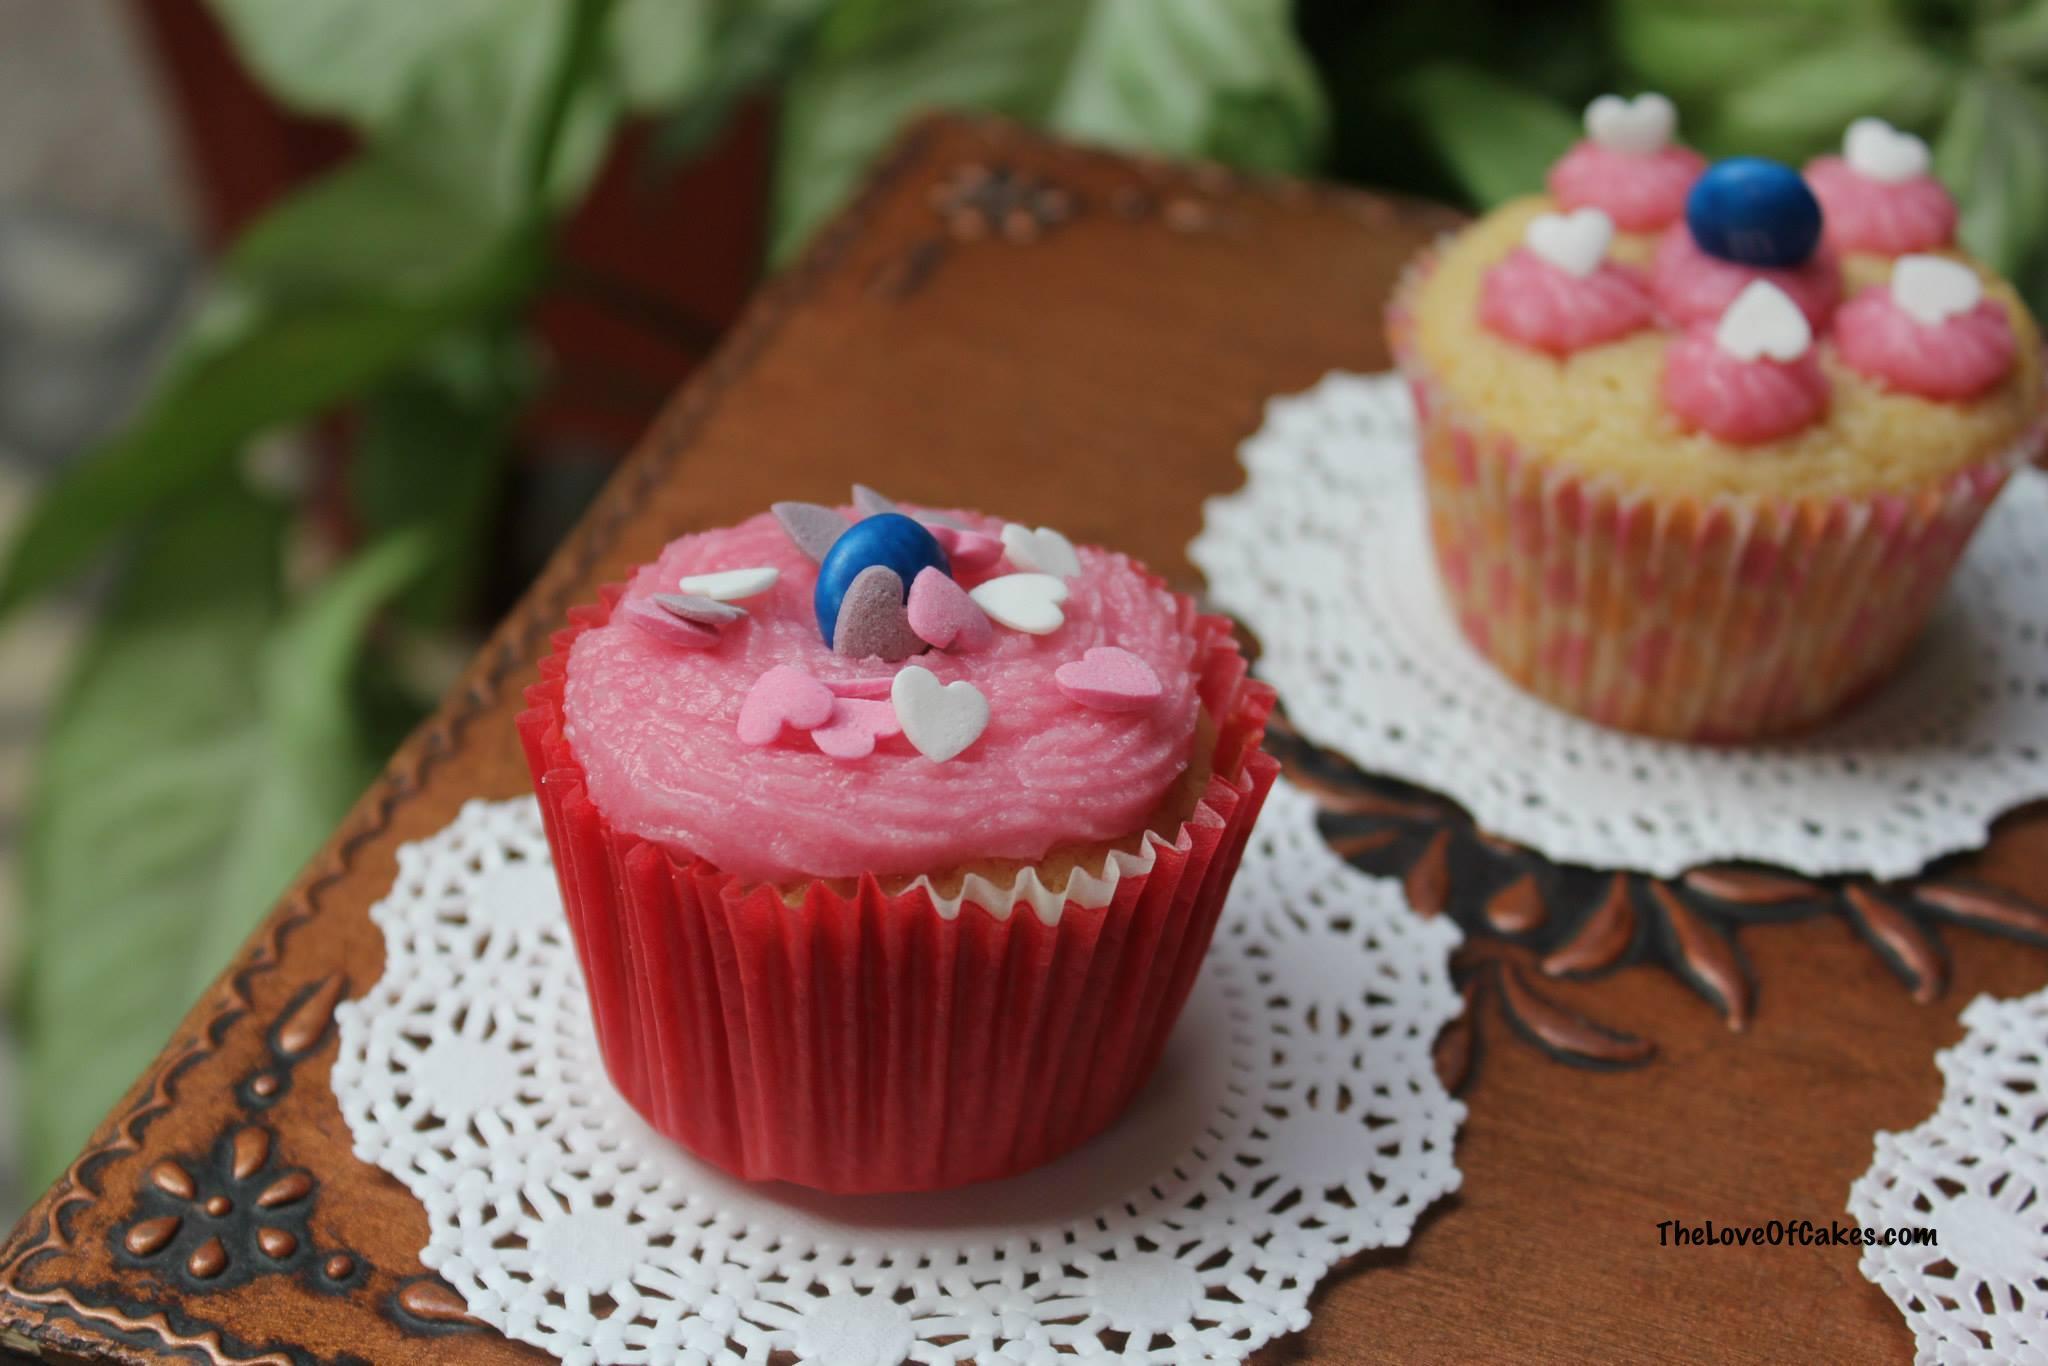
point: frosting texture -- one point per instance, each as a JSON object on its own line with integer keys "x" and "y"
{"x": 655, "y": 728}
{"x": 1529, "y": 300}
{"x": 1691, "y": 286}
{"x": 1740, "y": 401}
{"x": 1957, "y": 358}
{"x": 1640, "y": 191}
{"x": 1887, "y": 218}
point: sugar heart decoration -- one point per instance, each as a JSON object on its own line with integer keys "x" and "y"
{"x": 1932, "y": 289}
{"x": 1044, "y": 551}
{"x": 811, "y": 527}
{"x": 1763, "y": 322}
{"x": 872, "y": 619}
{"x": 969, "y": 552}
{"x": 1640, "y": 126}
{"x": 701, "y": 610}
{"x": 1875, "y": 149}
{"x": 1576, "y": 242}
{"x": 655, "y": 620}
{"x": 1023, "y": 602}
{"x": 1108, "y": 678}
{"x": 784, "y": 696}
{"x": 854, "y": 727}
{"x": 944, "y": 616}
{"x": 940, "y": 720}
{"x": 873, "y": 504}
{"x": 729, "y": 585}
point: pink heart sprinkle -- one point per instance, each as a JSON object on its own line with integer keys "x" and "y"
{"x": 969, "y": 552}
{"x": 942, "y": 614}
{"x": 855, "y": 727}
{"x": 784, "y": 696}
{"x": 663, "y": 625}
{"x": 1109, "y": 679}
{"x": 860, "y": 687}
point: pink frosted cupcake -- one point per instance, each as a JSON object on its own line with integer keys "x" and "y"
{"x": 1713, "y": 503}
{"x": 891, "y": 843}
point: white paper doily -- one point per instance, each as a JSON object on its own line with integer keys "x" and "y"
{"x": 1325, "y": 556}
{"x": 1294, "y": 1120}
{"x": 1977, "y": 1173}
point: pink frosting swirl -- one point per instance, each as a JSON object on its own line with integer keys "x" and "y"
{"x": 655, "y": 729}
{"x": 1736, "y": 400}
{"x": 1640, "y": 191}
{"x": 1889, "y": 218}
{"x": 1528, "y": 300}
{"x": 1959, "y": 357}
{"x": 1690, "y": 286}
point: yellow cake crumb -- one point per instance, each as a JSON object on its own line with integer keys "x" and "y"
{"x": 1599, "y": 410}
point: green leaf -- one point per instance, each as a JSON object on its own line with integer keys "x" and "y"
{"x": 1993, "y": 152}
{"x": 461, "y": 91}
{"x": 872, "y": 66}
{"x": 315, "y": 758}
{"x": 1800, "y": 107}
{"x": 201, "y": 752}
{"x": 1496, "y": 137}
{"x": 754, "y": 41}
{"x": 2014, "y": 40}
{"x": 1194, "y": 78}
{"x": 1693, "y": 50}
{"x": 1165, "y": 75}
{"x": 664, "y": 51}
{"x": 431, "y": 455}
{"x": 328, "y": 292}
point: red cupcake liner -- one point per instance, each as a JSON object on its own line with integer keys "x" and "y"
{"x": 867, "y": 1041}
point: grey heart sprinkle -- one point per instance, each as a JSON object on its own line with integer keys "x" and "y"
{"x": 872, "y": 618}
{"x": 811, "y": 527}
{"x": 703, "y": 611}
{"x": 873, "y": 504}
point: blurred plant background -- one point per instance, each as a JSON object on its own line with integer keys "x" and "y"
{"x": 485, "y": 237}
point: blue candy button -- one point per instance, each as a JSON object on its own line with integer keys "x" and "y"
{"x": 888, "y": 538}
{"x": 1753, "y": 212}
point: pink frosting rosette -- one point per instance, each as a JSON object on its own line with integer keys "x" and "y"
{"x": 1885, "y": 218}
{"x": 1628, "y": 166}
{"x": 1744, "y": 401}
{"x": 1528, "y": 300}
{"x": 1640, "y": 191}
{"x": 1691, "y": 286}
{"x": 1957, "y": 357}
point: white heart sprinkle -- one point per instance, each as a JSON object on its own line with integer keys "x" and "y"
{"x": 939, "y": 719}
{"x": 730, "y": 585}
{"x": 1933, "y": 289}
{"x": 1875, "y": 149}
{"x": 1641, "y": 125}
{"x": 1024, "y": 602}
{"x": 1574, "y": 242}
{"x": 1763, "y": 321}
{"x": 1043, "y": 550}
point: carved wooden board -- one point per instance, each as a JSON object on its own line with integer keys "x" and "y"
{"x": 1081, "y": 340}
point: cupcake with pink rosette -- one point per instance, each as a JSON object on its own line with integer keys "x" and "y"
{"x": 891, "y": 838}
{"x": 1709, "y": 499}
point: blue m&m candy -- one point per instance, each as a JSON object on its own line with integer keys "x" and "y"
{"x": 1753, "y": 212}
{"x": 888, "y": 538}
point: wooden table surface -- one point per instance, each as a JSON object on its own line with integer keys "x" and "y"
{"x": 1082, "y": 340}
